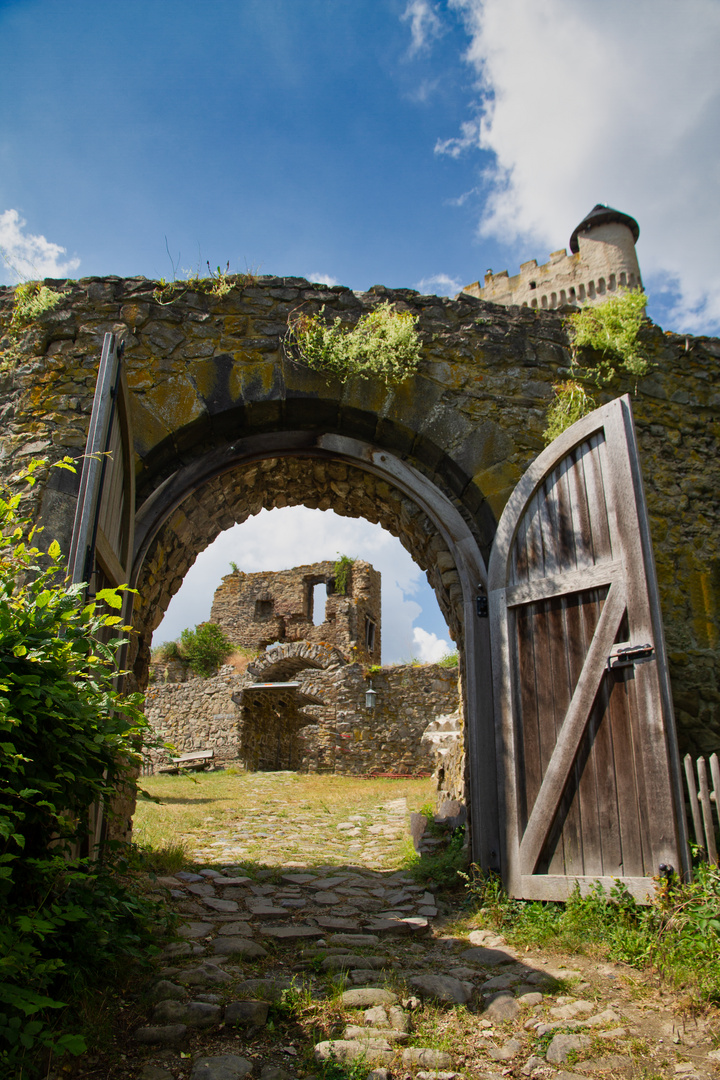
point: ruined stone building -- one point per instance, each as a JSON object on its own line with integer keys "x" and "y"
{"x": 256, "y": 610}
{"x": 302, "y": 703}
{"x": 603, "y": 260}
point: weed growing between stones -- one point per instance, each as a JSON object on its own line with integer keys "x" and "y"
{"x": 219, "y": 283}
{"x": 342, "y": 570}
{"x": 32, "y": 299}
{"x": 384, "y": 344}
{"x": 445, "y": 868}
{"x": 449, "y": 660}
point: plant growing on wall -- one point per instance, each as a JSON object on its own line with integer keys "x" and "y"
{"x": 341, "y": 570}
{"x": 384, "y": 344}
{"x": 607, "y": 334}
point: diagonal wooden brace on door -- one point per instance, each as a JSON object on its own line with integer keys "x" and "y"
{"x": 573, "y": 728}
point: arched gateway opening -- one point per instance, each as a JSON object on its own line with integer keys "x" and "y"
{"x": 329, "y": 471}
{"x": 572, "y": 770}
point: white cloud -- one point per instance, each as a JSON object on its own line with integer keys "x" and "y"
{"x": 617, "y": 103}
{"x": 439, "y": 285}
{"x": 27, "y": 256}
{"x": 425, "y": 26}
{"x": 323, "y": 279}
{"x": 287, "y": 537}
{"x": 430, "y": 648}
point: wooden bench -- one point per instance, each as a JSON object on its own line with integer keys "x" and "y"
{"x": 196, "y": 759}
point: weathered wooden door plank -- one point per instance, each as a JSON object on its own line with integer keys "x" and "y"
{"x": 566, "y": 747}
{"x": 575, "y": 581}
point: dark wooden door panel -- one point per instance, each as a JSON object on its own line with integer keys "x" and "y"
{"x": 586, "y": 745}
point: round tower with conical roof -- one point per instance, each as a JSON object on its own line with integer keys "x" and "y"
{"x": 602, "y": 262}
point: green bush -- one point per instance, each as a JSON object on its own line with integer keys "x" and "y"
{"x": 383, "y": 344}
{"x": 32, "y": 299}
{"x": 205, "y": 648}
{"x": 66, "y": 740}
{"x": 605, "y": 346}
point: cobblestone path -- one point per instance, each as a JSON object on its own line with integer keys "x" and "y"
{"x": 279, "y": 970}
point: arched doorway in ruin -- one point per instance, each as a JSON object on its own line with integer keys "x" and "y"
{"x": 356, "y": 480}
{"x": 272, "y": 707}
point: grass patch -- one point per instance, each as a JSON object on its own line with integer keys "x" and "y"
{"x": 193, "y": 810}
{"x": 678, "y": 934}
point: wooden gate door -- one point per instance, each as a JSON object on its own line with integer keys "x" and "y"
{"x": 587, "y": 756}
{"x": 102, "y": 541}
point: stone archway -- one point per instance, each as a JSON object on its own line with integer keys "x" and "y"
{"x": 355, "y": 479}
{"x": 211, "y": 392}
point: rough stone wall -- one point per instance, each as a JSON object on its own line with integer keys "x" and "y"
{"x": 197, "y": 714}
{"x": 340, "y": 736}
{"x": 256, "y": 610}
{"x": 203, "y": 368}
{"x": 349, "y": 738}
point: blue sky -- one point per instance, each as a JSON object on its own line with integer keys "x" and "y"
{"x": 410, "y": 143}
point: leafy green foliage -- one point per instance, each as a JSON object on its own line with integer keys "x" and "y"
{"x": 342, "y": 570}
{"x": 611, "y": 331}
{"x": 607, "y": 334}
{"x": 333, "y": 1068}
{"x": 67, "y": 739}
{"x": 31, "y": 300}
{"x": 678, "y": 933}
{"x": 205, "y": 648}
{"x": 384, "y": 344}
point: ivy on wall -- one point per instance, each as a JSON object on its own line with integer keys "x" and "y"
{"x": 605, "y": 346}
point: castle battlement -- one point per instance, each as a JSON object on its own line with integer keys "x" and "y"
{"x": 603, "y": 261}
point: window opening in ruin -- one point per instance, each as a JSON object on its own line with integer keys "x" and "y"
{"x": 534, "y": 303}
{"x": 563, "y": 298}
{"x": 601, "y": 285}
{"x": 553, "y": 300}
{"x": 612, "y": 283}
{"x": 533, "y": 284}
{"x": 591, "y": 289}
{"x": 544, "y": 301}
{"x": 623, "y": 279}
{"x": 263, "y": 608}
{"x": 369, "y": 634}
{"x": 581, "y": 292}
{"x": 571, "y": 294}
{"x": 318, "y": 596}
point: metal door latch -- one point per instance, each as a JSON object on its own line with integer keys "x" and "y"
{"x": 629, "y": 655}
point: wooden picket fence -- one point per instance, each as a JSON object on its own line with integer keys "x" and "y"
{"x": 701, "y": 802}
